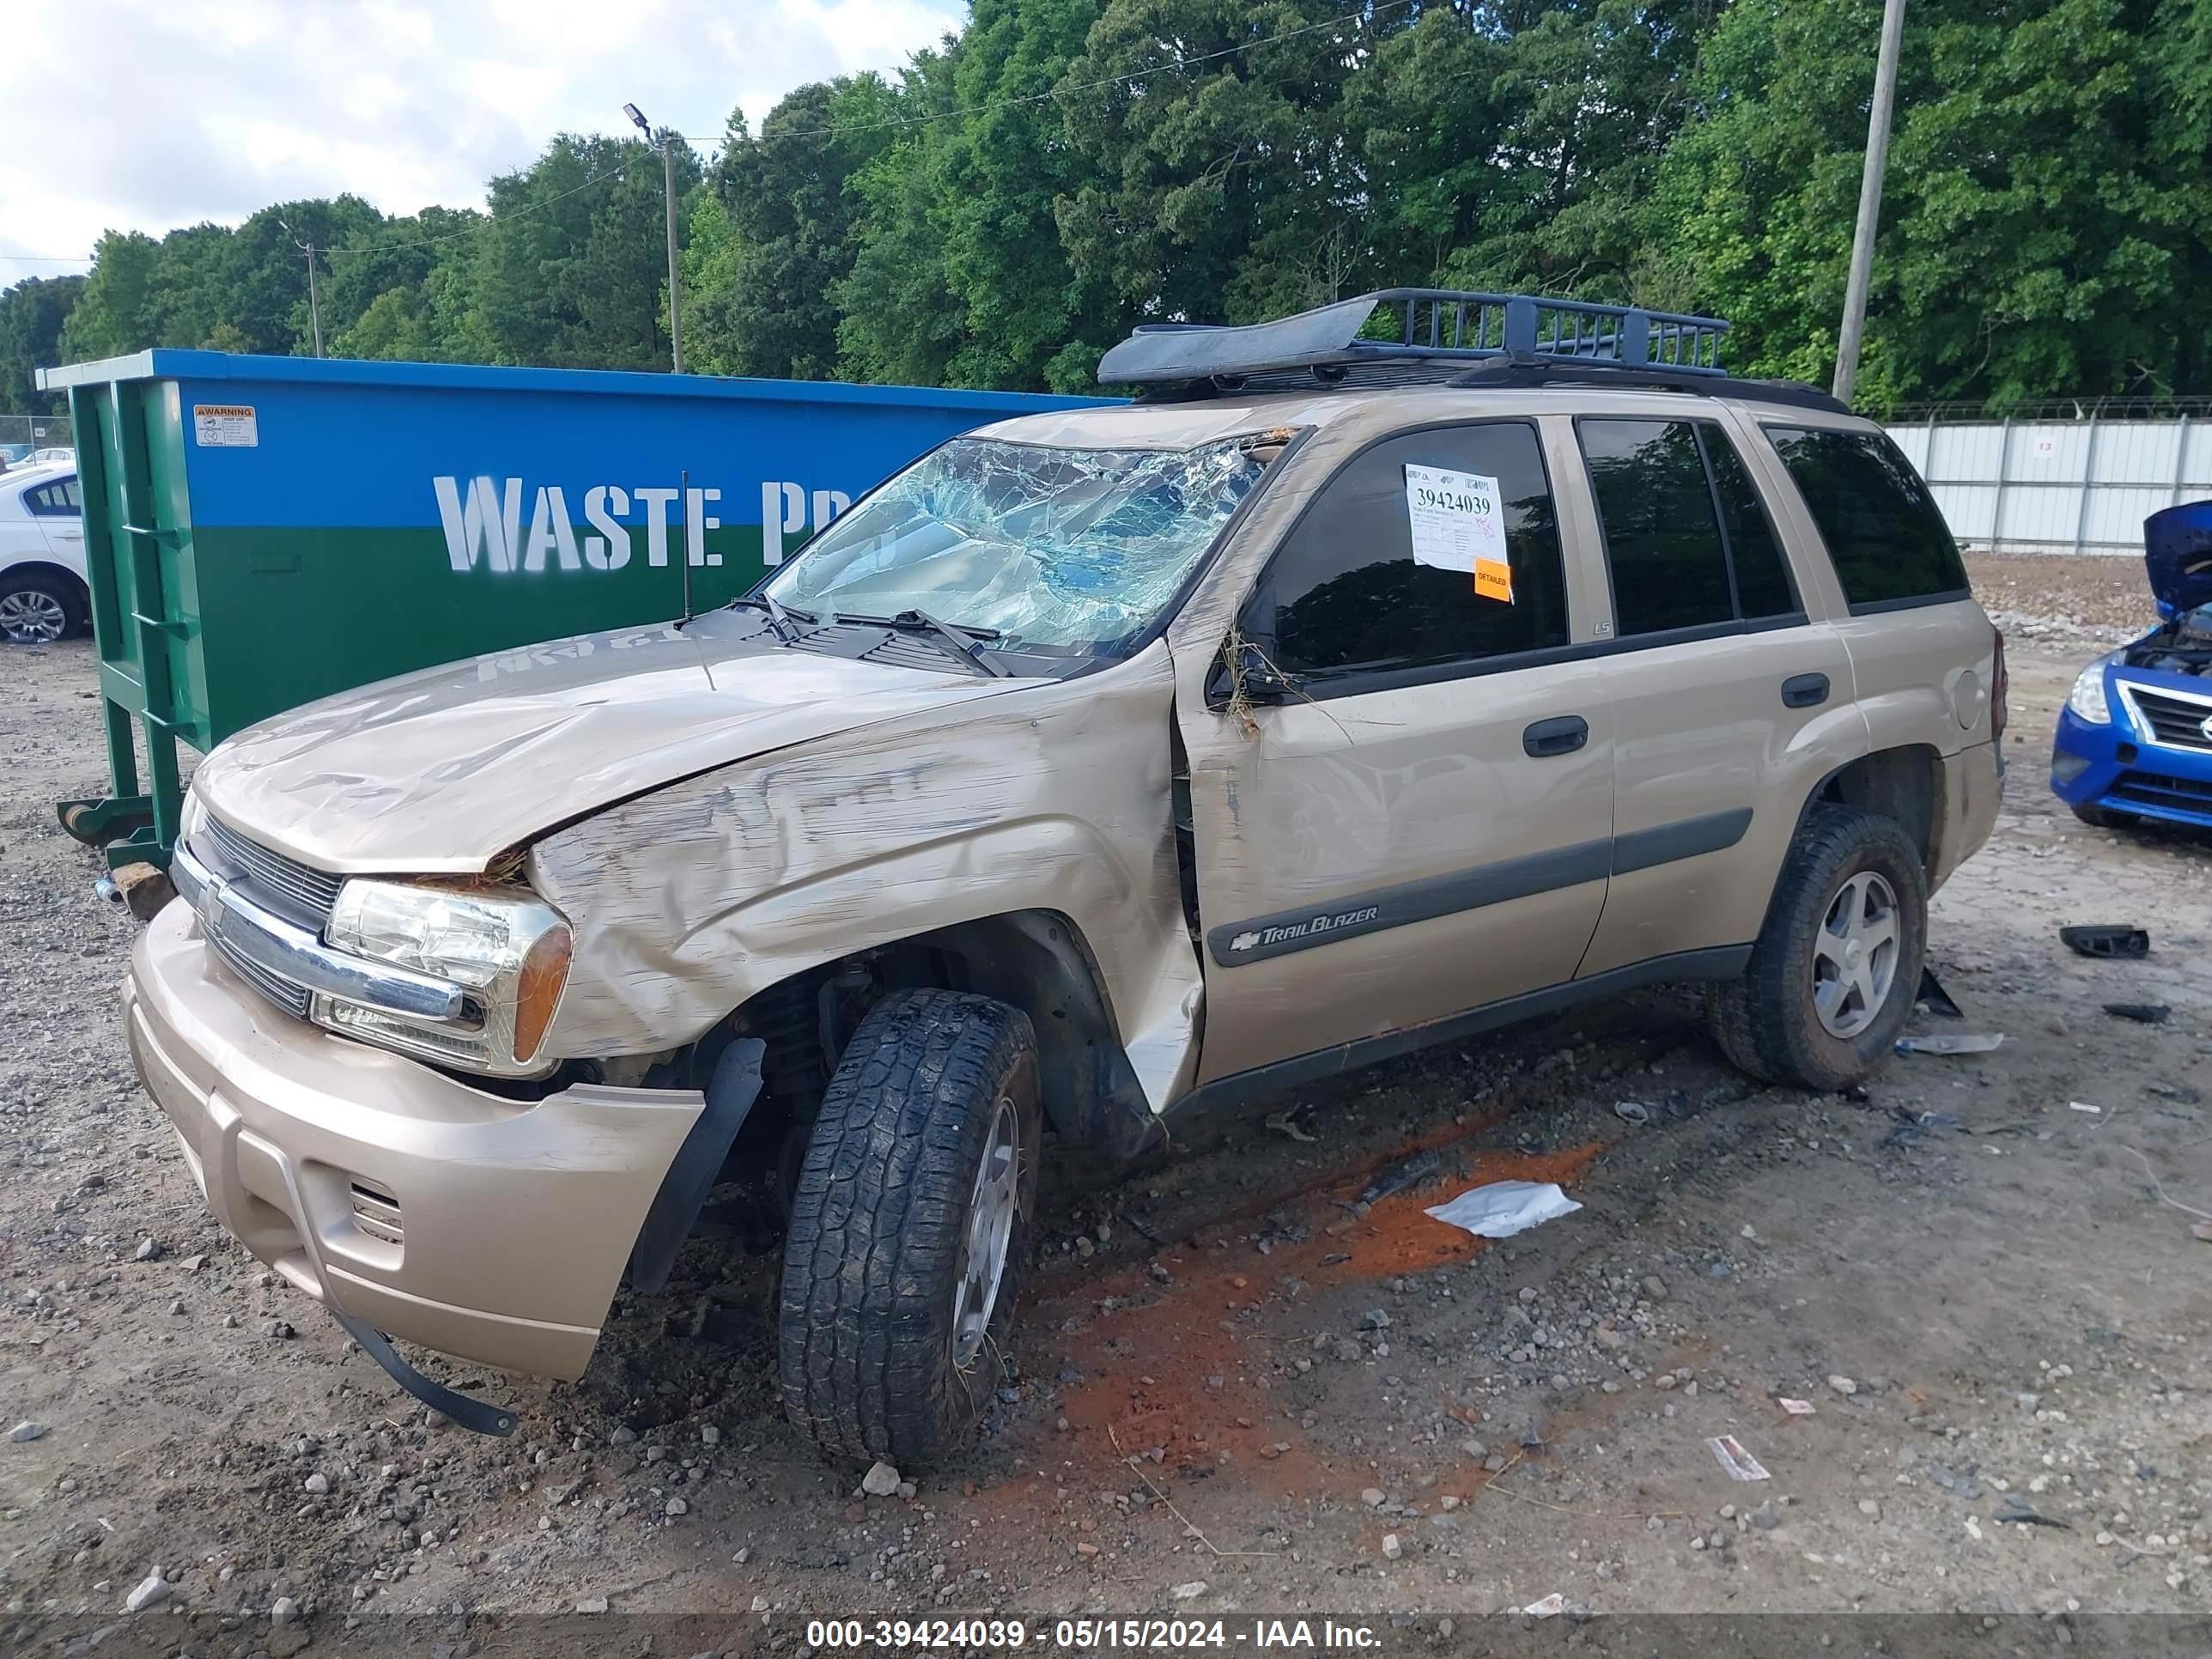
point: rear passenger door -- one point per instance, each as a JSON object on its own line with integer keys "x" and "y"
{"x": 1420, "y": 823}
{"x": 1728, "y": 698}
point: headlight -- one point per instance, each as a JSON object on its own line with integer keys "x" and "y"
{"x": 2087, "y": 699}
{"x": 190, "y": 816}
{"x": 510, "y": 953}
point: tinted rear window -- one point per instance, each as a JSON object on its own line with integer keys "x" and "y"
{"x": 1889, "y": 542}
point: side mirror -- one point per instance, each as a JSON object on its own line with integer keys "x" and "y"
{"x": 1260, "y": 683}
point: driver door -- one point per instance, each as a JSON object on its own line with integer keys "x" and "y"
{"x": 1420, "y": 821}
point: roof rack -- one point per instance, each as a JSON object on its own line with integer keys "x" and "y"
{"x": 1439, "y": 326}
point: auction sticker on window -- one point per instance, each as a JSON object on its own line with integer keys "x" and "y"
{"x": 1458, "y": 522}
{"x": 225, "y": 426}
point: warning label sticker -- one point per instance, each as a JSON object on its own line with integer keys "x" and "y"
{"x": 1458, "y": 523}
{"x": 225, "y": 426}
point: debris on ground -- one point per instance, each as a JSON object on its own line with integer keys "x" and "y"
{"x": 1632, "y": 1111}
{"x": 2105, "y": 939}
{"x": 882, "y": 1480}
{"x": 1955, "y": 1043}
{"x": 1739, "y": 1464}
{"x": 1403, "y": 1175}
{"x": 2203, "y": 1229}
{"x": 1797, "y": 1408}
{"x": 1505, "y": 1207}
{"x": 2084, "y": 1106}
{"x": 1935, "y": 999}
{"x": 2144, "y": 1013}
{"x": 1550, "y": 1608}
{"x": 1287, "y": 1123}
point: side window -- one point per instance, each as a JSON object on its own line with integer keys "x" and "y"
{"x": 55, "y": 499}
{"x": 1348, "y": 593}
{"x": 1663, "y": 541}
{"x": 1686, "y": 538}
{"x": 1763, "y": 589}
{"x": 1884, "y": 532}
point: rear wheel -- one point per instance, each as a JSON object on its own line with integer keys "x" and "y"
{"x": 37, "y": 607}
{"x": 909, "y": 1228}
{"x": 2103, "y": 818}
{"x": 1833, "y": 974}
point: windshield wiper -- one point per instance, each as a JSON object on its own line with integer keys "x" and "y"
{"x": 964, "y": 642}
{"x": 779, "y": 615}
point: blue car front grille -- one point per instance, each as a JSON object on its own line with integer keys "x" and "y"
{"x": 2151, "y": 789}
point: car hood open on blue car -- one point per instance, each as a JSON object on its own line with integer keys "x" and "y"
{"x": 2178, "y": 552}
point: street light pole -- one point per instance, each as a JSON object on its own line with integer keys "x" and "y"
{"x": 314, "y": 304}
{"x": 1877, "y": 160}
{"x": 675, "y": 276}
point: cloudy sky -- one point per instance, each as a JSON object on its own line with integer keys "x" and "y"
{"x": 148, "y": 114}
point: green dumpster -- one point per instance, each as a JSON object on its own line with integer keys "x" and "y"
{"x": 260, "y": 532}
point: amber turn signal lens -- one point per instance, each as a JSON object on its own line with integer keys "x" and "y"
{"x": 537, "y": 990}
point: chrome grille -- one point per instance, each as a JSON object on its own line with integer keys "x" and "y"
{"x": 291, "y": 890}
{"x": 293, "y": 998}
{"x": 2177, "y": 722}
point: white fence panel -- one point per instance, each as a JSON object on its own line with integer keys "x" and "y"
{"x": 2059, "y": 486}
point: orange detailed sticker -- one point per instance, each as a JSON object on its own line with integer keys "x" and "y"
{"x": 1493, "y": 580}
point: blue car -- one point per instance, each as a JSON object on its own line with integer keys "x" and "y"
{"x": 2134, "y": 739}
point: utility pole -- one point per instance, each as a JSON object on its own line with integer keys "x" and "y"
{"x": 675, "y": 276}
{"x": 1877, "y": 160}
{"x": 314, "y": 304}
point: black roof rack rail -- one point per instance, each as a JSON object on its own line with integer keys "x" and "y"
{"x": 1436, "y": 325}
{"x": 1789, "y": 394}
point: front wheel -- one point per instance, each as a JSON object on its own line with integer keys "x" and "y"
{"x": 910, "y": 1229}
{"x": 1834, "y": 972}
{"x": 2103, "y": 818}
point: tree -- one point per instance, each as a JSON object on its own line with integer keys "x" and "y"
{"x": 115, "y": 313}
{"x": 785, "y": 193}
{"x": 31, "y": 313}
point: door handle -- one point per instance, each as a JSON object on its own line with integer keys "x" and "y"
{"x": 1804, "y": 690}
{"x": 1561, "y": 735}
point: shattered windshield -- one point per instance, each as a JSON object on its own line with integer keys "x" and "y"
{"x": 1056, "y": 549}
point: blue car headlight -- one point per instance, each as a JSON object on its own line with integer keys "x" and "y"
{"x": 2088, "y": 698}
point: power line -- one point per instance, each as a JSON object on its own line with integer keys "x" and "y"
{"x": 48, "y": 259}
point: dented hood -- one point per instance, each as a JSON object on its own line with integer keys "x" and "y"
{"x": 440, "y": 771}
{"x": 2177, "y": 549}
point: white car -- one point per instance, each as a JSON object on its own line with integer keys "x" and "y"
{"x": 43, "y": 592}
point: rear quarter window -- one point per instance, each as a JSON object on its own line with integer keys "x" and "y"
{"x": 1885, "y": 534}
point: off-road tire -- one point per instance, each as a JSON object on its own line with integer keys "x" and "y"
{"x": 2103, "y": 818}
{"x": 865, "y": 1327}
{"x": 1765, "y": 1023}
{"x": 61, "y": 592}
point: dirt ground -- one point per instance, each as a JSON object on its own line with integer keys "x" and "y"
{"x": 1979, "y": 1273}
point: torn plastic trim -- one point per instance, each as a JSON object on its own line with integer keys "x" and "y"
{"x": 731, "y": 1093}
{"x": 479, "y": 1416}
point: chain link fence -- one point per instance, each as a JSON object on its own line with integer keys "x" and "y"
{"x": 23, "y": 436}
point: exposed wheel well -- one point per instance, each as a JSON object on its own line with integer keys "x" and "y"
{"x": 1034, "y": 960}
{"x": 1904, "y": 784}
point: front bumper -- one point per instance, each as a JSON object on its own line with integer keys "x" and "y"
{"x": 493, "y": 1229}
{"x": 2116, "y": 766}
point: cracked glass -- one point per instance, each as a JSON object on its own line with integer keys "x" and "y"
{"x": 1058, "y": 549}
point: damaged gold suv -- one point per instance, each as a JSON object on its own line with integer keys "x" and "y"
{"x": 1381, "y": 676}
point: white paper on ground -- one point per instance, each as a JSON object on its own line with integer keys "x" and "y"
{"x": 1505, "y": 1207}
{"x": 1739, "y": 1464}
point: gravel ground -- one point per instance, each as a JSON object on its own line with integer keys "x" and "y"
{"x": 1237, "y": 1371}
